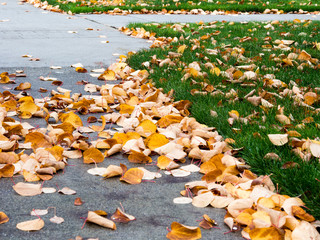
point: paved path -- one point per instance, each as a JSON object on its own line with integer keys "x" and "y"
{"x": 45, "y": 35}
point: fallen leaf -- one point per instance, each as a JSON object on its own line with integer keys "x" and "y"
{"x": 278, "y": 139}
{"x": 182, "y": 200}
{"x": 92, "y": 155}
{"x": 120, "y": 216}
{"x": 27, "y": 189}
{"x": 31, "y": 225}
{"x": 39, "y": 212}
{"x": 78, "y": 202}
{"x": 112, "y": 171}
{"x": 67, "y": 191}
{"x": 56, "y": 220}
{"x": 101, "y": 221}
{"x": 133, "y": 176}
{"x": 98, "y": 171}
{"x": 3, "y": 218}
{"x": 180, "y": 232}
{"x": 270, "y": 233}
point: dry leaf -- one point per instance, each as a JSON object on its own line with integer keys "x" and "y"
{"x": 133, "y": 176}
{"x": 67, "y": 191}
{"x": 98, "y": 171}
{"x": 31, "y": 225}
{"x": 278, "y": 139}
{"x": 27, "y": 189}
{"x": 7, "y": 171}
{"x": 182, "y": 200}
{"x": 56, "y": 220}
{"x": 180, "y": 232}
{"x": 3, "y": 218}
{"x": 92, "y": 155}
{"x": 104, "y": 222}
{"x": 120, "y": 216}
{"x": 112, "y": 171}
{"x": 78, "y": 202}
{"x": 39, "y": 212}
{"x": 270, "y": 233}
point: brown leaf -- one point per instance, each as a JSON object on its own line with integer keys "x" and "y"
{"x": 120, "y": 216}
{"x": 78, "y": 202}
{"x": 81, "y": 70}
{"x": 31, "y": 225}
{"x": 27, "y": 189}
{"x": 181, "y": 232}
{"x": 3, "y": 218}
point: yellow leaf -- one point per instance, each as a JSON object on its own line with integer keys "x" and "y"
{"x": 270, "y": 233}
{"x": 164, "y": 162}
{"x": 183, "y": 232}
{"x": 137, "y": 157}
{"x": 7, "y": 171}
{"x": 30, "y": 177}
{"x": 168, "y": 120}
{"x": 92, "y": 155}
{"x": 100, "y": 128}
{"x": 125, "y": 108}
{"x": 156, "y": 140}
{"x": 28, "y": 106}
{"x": 146, "y": 128}
{"x": 81, "y": 70}
{"x": 133, "y": 176}
{"x": 215, "y": 71}
{"x": 71, "y": 118}
{"x": 4, "y": 77}
{"x": 108, "y": 75}
{"x": 23, "y": 86}
{"x": 181, "y": 48}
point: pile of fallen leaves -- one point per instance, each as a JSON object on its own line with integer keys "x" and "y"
{"x": 149, "y": 122}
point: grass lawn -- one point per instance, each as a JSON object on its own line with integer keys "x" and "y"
{"x": 257, "y": 79}
{"x": 144, "y": 6}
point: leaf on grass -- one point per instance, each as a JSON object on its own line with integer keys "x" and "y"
{"x": 92, "y": 155}
{"x": 31, "y": 225}
{"x": 3, "y": 218}
{"x": 67, "y": 191}
{"x": 278, "y": 139}
{"x": 133, "y": 176}
{"x": 120, "y": 216}
{"x": 27, "y": 189}
{"x": 56, "y": 220}
{"x": 180, "y": 232}
{"x": 315, "y": 148}
{"x": 101, "y": 221}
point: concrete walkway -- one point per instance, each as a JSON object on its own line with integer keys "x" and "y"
{"x": 45, "y": 36}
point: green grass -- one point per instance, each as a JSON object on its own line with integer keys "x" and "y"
{"x": 300, "y": 180}
{"x": 86, "y": 6}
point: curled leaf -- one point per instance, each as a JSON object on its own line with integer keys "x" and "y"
{"x": 180, "y": 232}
